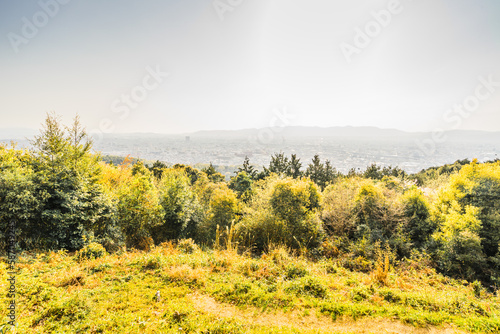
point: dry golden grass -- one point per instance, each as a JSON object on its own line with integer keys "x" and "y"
{"x": 184, "y": 273}
{"x": 252, "y": 315}
{"x": 77, "y": 279}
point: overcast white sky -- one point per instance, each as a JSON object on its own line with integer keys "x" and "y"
{"x": 230, "y": 74}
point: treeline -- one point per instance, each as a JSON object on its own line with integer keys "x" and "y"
{"x": 63, "y": 196}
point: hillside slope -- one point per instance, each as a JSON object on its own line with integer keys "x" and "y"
{"x": 223, "y": 292}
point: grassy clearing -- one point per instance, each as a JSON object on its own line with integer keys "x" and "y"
{"x": 223, "y": 292}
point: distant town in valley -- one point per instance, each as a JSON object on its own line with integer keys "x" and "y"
{"x": 344, "y": 147}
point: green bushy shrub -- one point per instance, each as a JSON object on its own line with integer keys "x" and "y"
{"x": 91, "y": 251}
{"x": 187, "y": 246}
{"x": 308, "y": 285}
{"x": 283, "y": 212}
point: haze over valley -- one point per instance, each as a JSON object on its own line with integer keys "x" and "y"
{"x": 345, "y": 147}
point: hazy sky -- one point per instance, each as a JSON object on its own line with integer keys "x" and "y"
{"x": 232, "y": 63}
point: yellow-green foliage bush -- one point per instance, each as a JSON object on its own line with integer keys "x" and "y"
{"x": 152, "y": 261}
{"x": 307, "y": 285}
{"x": 187, "y": 246}
{"x": 338, "y": 207}
{"x": 139, "y": 208}
{"x": 467, "y": 212}
{"x": 284, "y": 211}
{"x": 360, "y": 213}
{"x": 180, "y": 206}
{"x": 90, "y": 251}
{"x": 221, "y": 208}
{"x": 377, "y": 212}
{"x": 362, "y": 208}
{"x": 418, "y": 225}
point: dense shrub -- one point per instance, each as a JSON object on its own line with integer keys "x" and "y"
{"x": 338, "y": 207}
{"x": 307, "y": 285}
{"x": 187, "y": 246}
{"x": 283, "y": 211}
{"x": 467, "y": 212}
{"x": 53, "y": 191}
{"x": 90, "y": 251}
{"x": 139, "y": 209}
{"x": 418, "y": 225}
{"x": 377, "y": 215}
{"x": 221, "y": 209}
{"x": 180, "y": 206}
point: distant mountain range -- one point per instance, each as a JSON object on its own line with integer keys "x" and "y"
{"x": 306, "y": 131}
{"x": 16, "y": 133}
{"x": 362, "y": 132}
